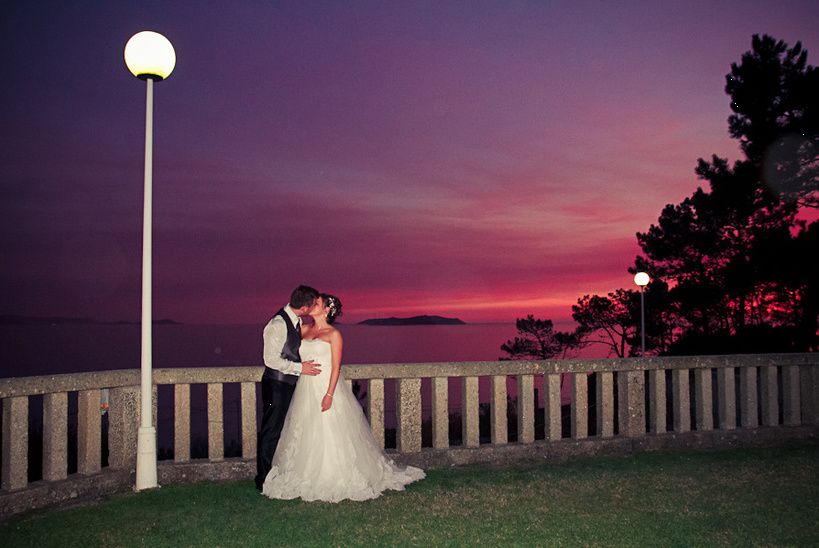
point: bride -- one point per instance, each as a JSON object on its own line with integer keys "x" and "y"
{"x": 327, "y": 451}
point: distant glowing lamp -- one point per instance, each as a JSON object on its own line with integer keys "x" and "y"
{"x": 150, "y": 57}
{"x": 642, "y": 279}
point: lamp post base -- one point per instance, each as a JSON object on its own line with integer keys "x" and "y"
{"x": 146, "y": 459}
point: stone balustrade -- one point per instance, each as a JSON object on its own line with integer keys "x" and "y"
{"x": 757, "y": 399}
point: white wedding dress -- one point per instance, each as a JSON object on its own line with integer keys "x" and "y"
{"x": 331, "y": 455}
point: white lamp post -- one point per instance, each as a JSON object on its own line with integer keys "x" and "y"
{"x": 149, "y": 56}
{"x": 642, "y": 279}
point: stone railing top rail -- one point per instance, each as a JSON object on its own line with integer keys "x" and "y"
{"x": 46, "y": 384}
{"x": 524, "y": 367}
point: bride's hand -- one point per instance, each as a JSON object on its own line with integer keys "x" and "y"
{"x": 326, "y": 402}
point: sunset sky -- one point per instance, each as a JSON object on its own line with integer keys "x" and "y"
{"x": 484, "y": 160}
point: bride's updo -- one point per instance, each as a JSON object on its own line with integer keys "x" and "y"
{"x": 333, "y": 307}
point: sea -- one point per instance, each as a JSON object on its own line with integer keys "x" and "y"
{"x": 27, "y": 350}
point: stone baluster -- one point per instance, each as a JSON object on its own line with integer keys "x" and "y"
{"x": 631, "y": 403}
{"x": 526, "y": 408}
{"x": 248, "y": 398}
{"x": 216, "y": 423}
{"x": 440, "y": 412}
{"x": 748, "y": 413}
{"x": 89, "y": 432}
{"x": 375, "y": 410}
{"x": 123, "y": 425}
{"x": 657, "y": 401}
{"x": 553, "y": 420}
{"x": 605, "y": 403}
{"x": 580, "y": 406}
{"x": 469, "y": 409}
{"x": 790, "y": 395}
{"x": 809, "y": 393}
{"x": 408, "y": 415}
{"x": 681, "y": 400}
{"x": 726, "y": 398}
{"x": 15, "y": 443}
{"x": 703, "y": 394}
{"x": 55, "y": 436}
{"x": 182, "y": 423}
{"x": 499, "y": 425}
{"x": 770, "y": 396}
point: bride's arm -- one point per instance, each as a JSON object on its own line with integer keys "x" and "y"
{"x": 336, "y": 344}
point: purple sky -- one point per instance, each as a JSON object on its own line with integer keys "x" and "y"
{"x": 484, "y": 160}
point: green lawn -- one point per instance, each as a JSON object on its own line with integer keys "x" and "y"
{"x": 742, "y": 497}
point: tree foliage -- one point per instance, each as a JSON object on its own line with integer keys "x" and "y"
{"x": 776, "y": 115}
{"x": 538, "y": 340}
{"x": 614, "y": 320}
{"x": 734, "y": 253}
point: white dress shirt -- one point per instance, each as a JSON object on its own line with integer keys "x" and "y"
{"x": 275, "y": 335}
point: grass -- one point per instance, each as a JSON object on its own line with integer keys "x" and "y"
{"x": 739, "y": 498}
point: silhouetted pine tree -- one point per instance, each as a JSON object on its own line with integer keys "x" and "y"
{"x": 735, "y": 256}
{"x": 537, "y": 339}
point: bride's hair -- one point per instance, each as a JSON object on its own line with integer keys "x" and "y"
{"x": 334, "y": 307}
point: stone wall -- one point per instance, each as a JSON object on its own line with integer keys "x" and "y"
{"x": 630, "y": 405}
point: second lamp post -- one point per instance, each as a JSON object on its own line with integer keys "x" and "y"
{"x": 642, "y": 279}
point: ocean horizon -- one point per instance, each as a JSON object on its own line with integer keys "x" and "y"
{"x": 27, "y": 350}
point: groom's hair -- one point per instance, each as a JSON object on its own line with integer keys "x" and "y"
{"x": 303, "y": 296}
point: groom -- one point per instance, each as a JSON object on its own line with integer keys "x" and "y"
{"x": 283, "y": 365}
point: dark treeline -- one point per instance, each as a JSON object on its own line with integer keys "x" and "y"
{"x": 733, "y": 268}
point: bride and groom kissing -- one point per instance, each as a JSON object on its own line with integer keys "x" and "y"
{"x": 314, "y": 442}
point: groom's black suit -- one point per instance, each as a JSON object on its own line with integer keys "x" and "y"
{"x": 277, "y": 390}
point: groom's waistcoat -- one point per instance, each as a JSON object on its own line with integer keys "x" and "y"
{"x": 290, "y": 351}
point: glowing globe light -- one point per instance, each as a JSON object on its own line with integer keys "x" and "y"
{"x": 150, "y": 55}
{"x": 641, "y": 279}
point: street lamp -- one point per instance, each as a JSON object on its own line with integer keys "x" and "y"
{"x": 642, "y": 279}
{"x": 149, "y": 56}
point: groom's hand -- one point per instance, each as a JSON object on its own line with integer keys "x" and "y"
{"x": 310, "y": 368}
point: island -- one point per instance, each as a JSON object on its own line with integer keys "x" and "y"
{"x": 415, "y": 320}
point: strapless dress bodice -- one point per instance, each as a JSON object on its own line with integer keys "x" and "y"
{"x": 320, "y": 352}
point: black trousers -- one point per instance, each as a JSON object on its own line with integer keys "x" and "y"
{"x": 276, "y": 396}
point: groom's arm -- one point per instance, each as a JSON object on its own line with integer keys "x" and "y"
{"x": 275, "y": 335}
